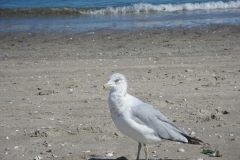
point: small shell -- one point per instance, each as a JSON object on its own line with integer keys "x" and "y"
{"x": 54, "y": 155}
{"x": 16, "y": 147}
{"x": 7, "y": 138}
{"x": 108, "y": 154}
{"x": 38, "y": 157}
{"x": 154, "y": 151}
{"x": 181, "y": 150}
{"x": 213, "y": 154}
{"x": 192, "y": 133}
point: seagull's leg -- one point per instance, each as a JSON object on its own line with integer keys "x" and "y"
{"x": 146, "y": 151}
{"x": 139, "y": 149}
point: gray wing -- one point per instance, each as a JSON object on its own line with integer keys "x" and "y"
{"x": 146, "y": 114}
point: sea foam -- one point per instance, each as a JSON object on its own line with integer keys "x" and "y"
{"x": 148, "y": 8}
{"x": 133, "y": 9}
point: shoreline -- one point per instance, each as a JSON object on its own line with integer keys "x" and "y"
{"x": 29, "y": 41}
{"x": 52, "y": 105}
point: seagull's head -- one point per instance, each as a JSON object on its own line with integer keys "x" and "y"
{"x": 117, "y": 82}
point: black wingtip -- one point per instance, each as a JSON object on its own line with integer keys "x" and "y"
{"x": 192, "y": 140}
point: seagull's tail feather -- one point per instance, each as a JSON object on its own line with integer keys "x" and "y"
{"x": 192, "y": 140}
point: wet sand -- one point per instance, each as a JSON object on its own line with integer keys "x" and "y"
{"x": 52, "y": 105}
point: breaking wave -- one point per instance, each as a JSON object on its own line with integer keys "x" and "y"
{"x": 136, "y": 8}
{"x": 143, "y": 7}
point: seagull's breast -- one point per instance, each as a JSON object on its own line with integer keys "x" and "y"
{"x": 125, "y": 124}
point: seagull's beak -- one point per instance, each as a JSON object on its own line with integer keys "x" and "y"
{"x": 105, "y": 86}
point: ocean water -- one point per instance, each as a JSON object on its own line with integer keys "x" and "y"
{"x": 79, "y": 15}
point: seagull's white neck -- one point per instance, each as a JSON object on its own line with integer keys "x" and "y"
{"x": 116, "y": 98}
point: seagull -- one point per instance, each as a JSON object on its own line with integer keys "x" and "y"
{"x": 141, "y": 121}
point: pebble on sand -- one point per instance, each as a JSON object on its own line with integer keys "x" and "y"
{"x": 181, "y": 150}
{"x": 109, "y": 154}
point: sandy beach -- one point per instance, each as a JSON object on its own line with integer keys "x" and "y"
{"x": 52, "y": 105}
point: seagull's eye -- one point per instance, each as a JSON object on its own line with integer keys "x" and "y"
{"x": 117, "y": 80}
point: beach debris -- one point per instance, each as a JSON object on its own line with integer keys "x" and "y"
{"x": 181, "y": 150}
{"x": 211, "y": 153}
{"x": 188, "y": 70}
{"x": 217, "y": 153}
{"x": 213, "y": 116}
{"x": 117, "y": 134}
{"x": 7, "y": 138}
{"x": 154, "y": 155}
{"x": 47, "y": 92}
{"x": 225, "y": 112}
{"x": 154, "y": 151}
{"x": 38, "y": 157}
{"x": 45, "y": 143}
{"x": 54, "y": 155}
{"x": 37, "y": 133}
{"x": 87, "y": 151}
{"x": 192, "y": 133}
{"x": 6, "y": 150}
{"x": 109, "y": 153}
{"x": 207, "y": 151}
{"x": 218, "y": 118}
{"x": 16, "y": 147}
